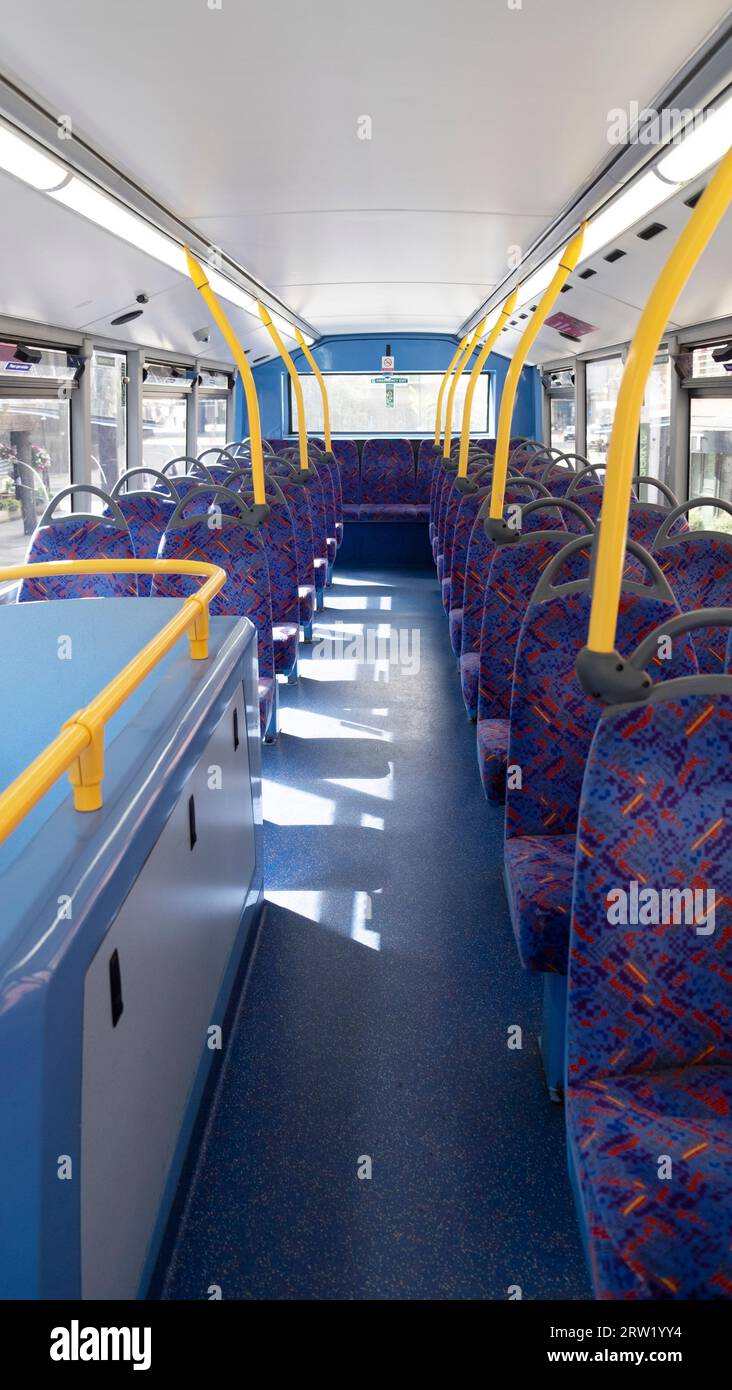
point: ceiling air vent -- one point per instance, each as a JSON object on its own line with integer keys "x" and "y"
{"x": 126, "y": 318}
{"x": 565, "y": 289}
{"x": 615, "y": 255}
{"x": 694, "y": 199}
{"x": 263, "y": 358}
{"x": 587, "y": 274}
{"x": 650, "y": 231}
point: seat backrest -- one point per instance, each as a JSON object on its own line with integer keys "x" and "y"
{"x": 346, "y": 454}
{"x": 479, "y": 473}
{"x": 302, "y": 520}
{"x": 648, "y": 994}
{"x": 698, "y": 566}
{"x": 79, "y": 536}
{"x": 147, "y": 512}
{"x": 514, "y": 573}
{"x": 481, "y": 549}
{"x": 427, "y": 457}
{"x": 387, "y": 472}
{"x": 552, "y": 718}
{"x": 323, "y": 469}
{"x": 238, "y": 549}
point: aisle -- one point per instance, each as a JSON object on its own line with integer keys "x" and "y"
{"x": 376, "y": 1021}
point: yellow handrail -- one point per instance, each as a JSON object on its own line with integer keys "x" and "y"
{"x": 438, "y": 418}
{"x": 198, "y": 276}
{"x": 321, "y": 384}
{"x": 610, "y": 559}
{"x": 79, "y": 748}
{"x": 302, "y": 434}
{"x": 506, "y": 312}
{"x": 462, "y": 362}
{"x": 503, "y": 439}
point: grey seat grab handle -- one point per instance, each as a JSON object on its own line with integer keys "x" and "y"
{"x": 682, "y": 509}
{"x": 270, "y": 484}
{"x": 178, "y": 519}
{"x": 658, "y": 484}
{"x": 517, "y": 482}
{"x": 566, "y": 458}
{"x": 686, "y": 622}
{"x": 562, "y": 504}
{"x": 150, "y": 473}
{"x": 48, "y": 518}
{"x": 188, "y": 472}
{"x": 222, "y": 453}
{"x": 660, "y": 588}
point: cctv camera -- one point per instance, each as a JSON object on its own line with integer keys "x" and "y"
{"x": 202, "y": 335}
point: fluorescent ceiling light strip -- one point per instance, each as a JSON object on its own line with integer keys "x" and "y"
{"x": 702, "y": 147}
{"x": 27, "y": 162}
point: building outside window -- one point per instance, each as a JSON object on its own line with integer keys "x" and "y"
{"x": 654, "y": 441}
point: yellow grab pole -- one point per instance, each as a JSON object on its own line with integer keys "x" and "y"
{"x": 610, "y": 558}
{"x": 503, "y": 439}
{"x": 199, "y": 278}
{"x": 438, "y": 420}
{"x": 506, "y": 312}
{"x": 462, "y": 362}
{"x": 302, "y": 434}
{"x": 321, "y": 384}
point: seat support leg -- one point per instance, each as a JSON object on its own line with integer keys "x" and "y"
{"x": 553, "y": 1032}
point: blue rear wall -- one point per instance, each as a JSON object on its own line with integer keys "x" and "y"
{"x": 414, "y": 352}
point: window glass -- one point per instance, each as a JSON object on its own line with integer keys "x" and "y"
{"x": 654, "y": 444}
{"x": 387, "y": 403}
{"x": 562, "y": 435}
{"x": 710, "y": 459}
{"x": 35, "y": 461}
{"x": 211, "y": 423}
{"x": 602, "y": 385}
{"x": 163, "y": 428}
{"x": 108, "y": 418}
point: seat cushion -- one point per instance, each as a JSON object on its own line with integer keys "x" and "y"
{"x": 285, "y": 637}
{"x": 339, "y": 532}
{"x": 332, "y": 549}
{"x": 306, "y": 593}
{"x": 321, "y": 567}
{"x": 492, "y": 745}
{"x": 651, "y": 1237}
{"x": 469, "y": 671}
{"x": 351, "y": 510}
{"x": 387, "y": 511}
{"x": 266, "y": 698}
{"x": 456, "y": 630}
{"x": 539, "y": 874}
{"x": 446, "y": 594}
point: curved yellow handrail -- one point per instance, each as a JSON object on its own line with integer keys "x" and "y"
{"x": 506, "y": 312}
{"x": 199, "y": 278}
{"x": 459, "y": 350}
{"x": 462, "y": 363}
{"x": 321, "y": 384}
{"x": 302, "y": 434}
{"x": 566, "y": 265}
{"x": 706, "y": 216}
{"x": 79, "y": 748}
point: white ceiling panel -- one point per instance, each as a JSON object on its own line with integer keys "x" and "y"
{"x": 244, "y": 119}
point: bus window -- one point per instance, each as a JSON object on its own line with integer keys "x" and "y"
{"x": 34, "y": 464}
{"x": 710, "y": 458}
{"x": 602, "y": 385}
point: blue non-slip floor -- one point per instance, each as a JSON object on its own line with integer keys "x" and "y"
{"x": 375, "y": 1022}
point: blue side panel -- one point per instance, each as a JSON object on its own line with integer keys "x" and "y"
{"x": 414, "y": 352}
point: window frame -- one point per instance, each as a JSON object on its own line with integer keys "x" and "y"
{"x": 488, "y": 373}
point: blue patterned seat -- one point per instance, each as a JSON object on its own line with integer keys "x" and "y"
{"x": 147, "y": 513}
{"x": 241, "y": 552}
{"x": 698, "y": 566}
{"x": 79, "y": 536}
{"x": 552, "y": 721}
{"x": 346, "y": 453}
{"x": 649, "y": 1004}
{"x": 387, "y": 480}
{"x": 514, "y": 573}
{"x": 481, "y": 550}
{"x": 427, "y": 457}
